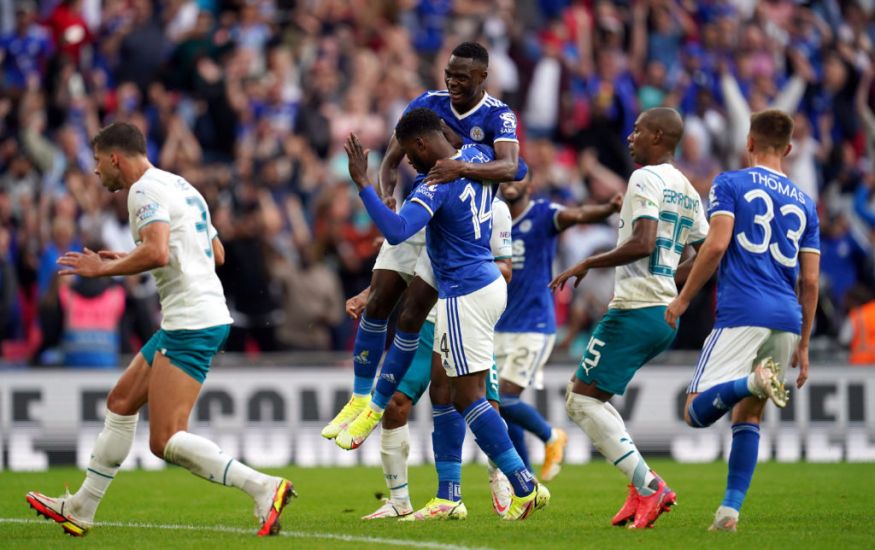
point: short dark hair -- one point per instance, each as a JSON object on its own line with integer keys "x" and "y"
{"x": 417, "y": 122}
{"x": 771, "y": 129}
{"x": 122, "y": 136}
{"x": 472, "y": 50}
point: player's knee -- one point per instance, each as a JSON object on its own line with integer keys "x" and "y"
{"x": 397, "y": 412}
{"x": 412, "y": 316}
{"x": 119, "y": 403}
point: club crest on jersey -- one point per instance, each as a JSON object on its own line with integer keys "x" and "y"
{"x": 526, "y": 226}
{"x": 477, "y": 133}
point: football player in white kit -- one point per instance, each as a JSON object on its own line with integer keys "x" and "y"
{"x": 178, "y": 244}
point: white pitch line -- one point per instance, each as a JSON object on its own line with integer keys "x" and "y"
{"x": 239, "y": 531}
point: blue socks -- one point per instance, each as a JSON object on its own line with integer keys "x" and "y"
{"x": 710, "y": 405}
{"x": 370, "y": 341}
{"x": 398, "y": 360}
{"x": 488, "y": 428}
{"x": 447, "y": 439}
{"x": 742, "y": 461}
{"x": 518, "y": 438}
{"x": 515, "y": 410}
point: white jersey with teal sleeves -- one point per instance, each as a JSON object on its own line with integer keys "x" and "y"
{"x": 190, "y": 291}
{"x": 664, "y": 194}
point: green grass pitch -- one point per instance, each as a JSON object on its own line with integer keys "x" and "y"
{"x": 798, "y": 505}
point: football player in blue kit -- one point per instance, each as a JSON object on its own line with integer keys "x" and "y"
{"x": 472, "y": 292}
{"x": 526, "y": 332}
{"x": 765, "y": 238}
{"x": 468, "y": 112}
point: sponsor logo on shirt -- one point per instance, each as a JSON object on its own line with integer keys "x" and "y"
{"x": 147, "y": 212}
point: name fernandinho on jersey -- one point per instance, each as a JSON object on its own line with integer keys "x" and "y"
{"x": 670, "y": 196}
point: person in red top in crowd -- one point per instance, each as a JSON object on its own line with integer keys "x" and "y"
{"x": 69, "y": 29}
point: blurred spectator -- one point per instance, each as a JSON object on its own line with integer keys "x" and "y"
{"x": 25, "y": 51}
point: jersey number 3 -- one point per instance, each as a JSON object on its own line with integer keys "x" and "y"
{"x": 764, "y": 220}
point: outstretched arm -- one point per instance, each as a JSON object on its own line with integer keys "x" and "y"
{"x": 640, "y": 245}
{"x": 589, "y": 213}
{"x": 153, "y": 252}
{"x": 704, "y": 266}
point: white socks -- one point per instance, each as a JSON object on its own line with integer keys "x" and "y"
{"x": 394, "y": 450}
{"x": 605, "y": 427}
{"x": 110, "y": 449}
{"x": 204, "y": 458}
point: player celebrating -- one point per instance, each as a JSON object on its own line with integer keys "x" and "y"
{"x": 661, "y": 214}
{"x": 472, "y": 114}
{"x": 764, "y": 236}
{"x": 395, "y": 435}
{"x": 526, "y": 332}
{"x": 175, "y": 239}
{"x": 472, "y": 292}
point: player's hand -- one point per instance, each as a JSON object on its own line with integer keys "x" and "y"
{"x": 111, "y": 255}
{"x": 616, "y": 202}
{"x": 445, "y": 171}
{"x": 580, "y": 270}
{"x": 800, "y": 359}
{"x": 358, "y": 161}
{"x": 355, "y": 306}
{"x": 675, "y": 309}
{"x": 87, "y": 263}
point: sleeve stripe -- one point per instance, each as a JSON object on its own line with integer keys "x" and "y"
{"x": 810, "y": 250}
{"x": 644, "y": 217}
{"x": 514, "y": 140}
{"x": 419, "y": 202}
{"x": 502, "y": 258}
{"x": 722, "y": 213}
{"x": 140, "y": 228}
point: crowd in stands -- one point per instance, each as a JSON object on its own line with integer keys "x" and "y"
{"x": 250, "y": 100}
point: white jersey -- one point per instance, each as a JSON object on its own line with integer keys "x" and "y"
{"x": 190, "y": 291}
{"x": 501, "y": 241}
{"x": 664, "y": 194}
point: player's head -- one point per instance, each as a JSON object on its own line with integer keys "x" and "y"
{"x": 770, "y": 133}
{"x": 112, "y": 145}
{"x": 419, "y": 133}
{"x": 514, "y": 191}
{"x": 465, "y": 74}
{"x": 657, "y": 132}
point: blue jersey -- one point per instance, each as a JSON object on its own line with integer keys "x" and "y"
{"x": 460, "y": 229}
{"x": 529, "y": 300}
{"x": 774, "y": 221}
{"x": 488, "y": 122}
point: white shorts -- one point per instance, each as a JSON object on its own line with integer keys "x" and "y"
{"x": 423, "y": 269}
{"x": 402, "y": 257}
{"x": 465, "y": 330}
{"x": 732, "y": 353}
{"x": 521, "y": 357}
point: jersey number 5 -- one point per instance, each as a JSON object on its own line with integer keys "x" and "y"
{"x": 202, "y": 226}
{"x": 764, "y": 220}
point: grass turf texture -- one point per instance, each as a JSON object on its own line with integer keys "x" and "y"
{"x": 805, "y": 505}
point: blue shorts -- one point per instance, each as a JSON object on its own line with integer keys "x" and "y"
{"x": 623, "y": 341}
{"x": 418, "y": 376}
{"x": 191, "y": 351}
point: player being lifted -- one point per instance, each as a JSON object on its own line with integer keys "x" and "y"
{"x": 395, "y": 434}
{"x": 176, "y": 241}
{"x": 764, "y": 237}
{"x": 526, "y": 332}
{"x": 472, "y": 114}
{"x": 661, "y": 214}
{"x": 472, "y": 293}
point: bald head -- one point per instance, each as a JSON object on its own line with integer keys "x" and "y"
{"x": 668, "y": 122}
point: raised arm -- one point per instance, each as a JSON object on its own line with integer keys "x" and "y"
{"x": 567, "y": 217}
{"x": 389, "y": 168}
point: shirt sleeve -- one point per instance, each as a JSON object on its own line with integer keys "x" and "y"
{"x": 502, "y": 124}
{"x": 144, "y": 203}
{"x": 553, "y": 211}
{"x": 431, "y": 197}
{"x": 644, "y": 194}
{"x": 721, "y": 198}
{"x": 399, "y": 227}
{"x": 420, "y": 101}
{"x": 501, "y": 242}
{"x": 811, "y": 237}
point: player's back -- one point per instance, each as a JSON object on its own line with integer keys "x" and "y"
{"x": 458, "y": 235}
{"x": 529, "y": 300}
{"x": 662, "y": 193}
{"x": 190, "y": 291}
{"x": 773, "y": 222}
